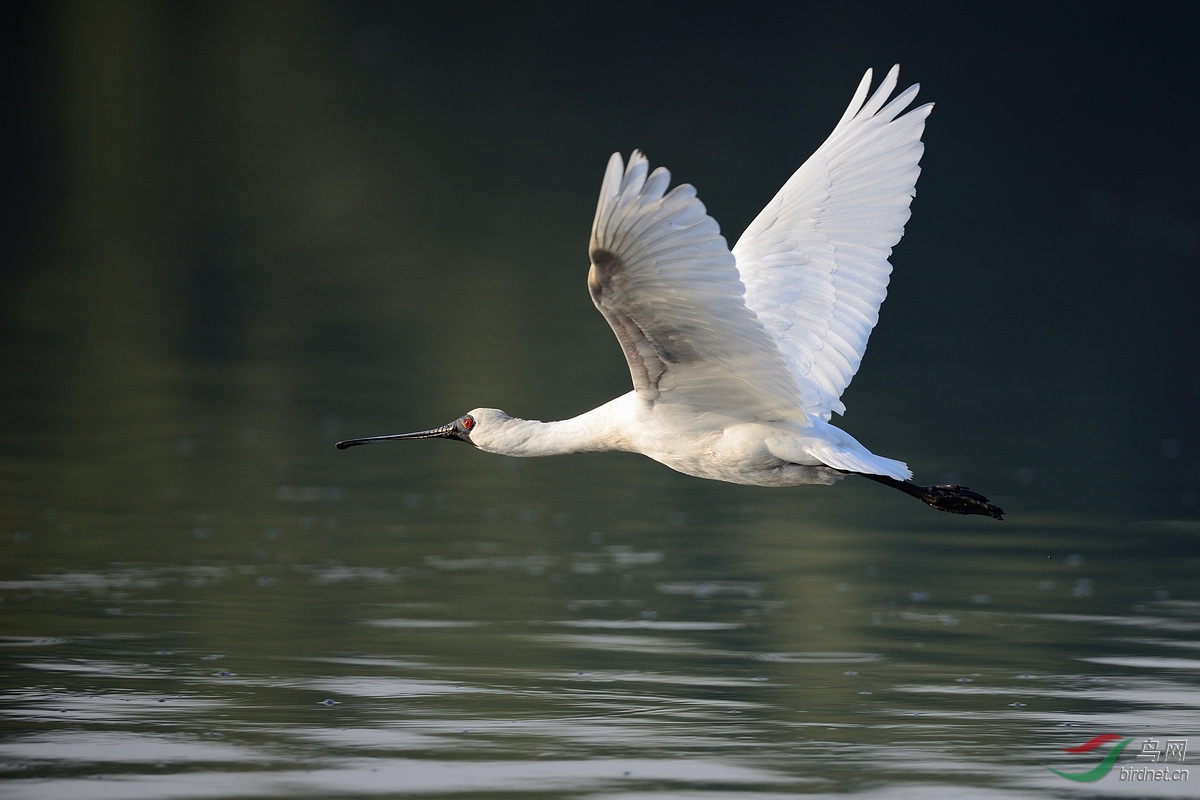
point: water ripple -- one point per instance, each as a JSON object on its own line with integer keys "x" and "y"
{"x": 404, "y": 776}
{"x": 820, "y": 658}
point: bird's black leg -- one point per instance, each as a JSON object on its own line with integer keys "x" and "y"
{"x": 944, "y": 497}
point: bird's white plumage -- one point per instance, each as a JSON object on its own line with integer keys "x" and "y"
{"x": 664, "y": 278}
{"x": 739, "y": 358}
{"x": 777, "y": 328}
{"x": 772, "y": 332}
{"x": 815, "y": 260}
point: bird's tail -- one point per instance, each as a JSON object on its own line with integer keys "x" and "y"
{"x": 862, "y": 461}
{"x": 835, "y": 448}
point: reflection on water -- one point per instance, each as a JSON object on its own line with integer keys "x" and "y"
{"x": 268, "y": 227}
{"x": 665, "y": 687}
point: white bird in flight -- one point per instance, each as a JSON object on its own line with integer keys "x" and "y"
{"x": 739, "y": 357}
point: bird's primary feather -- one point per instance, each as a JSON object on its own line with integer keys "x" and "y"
{"x": 666, "y": 282}
{"x": 815, "y": 260}
{"x": 777, "y": 328}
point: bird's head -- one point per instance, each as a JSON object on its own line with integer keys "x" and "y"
{"x": 479, "y": 427}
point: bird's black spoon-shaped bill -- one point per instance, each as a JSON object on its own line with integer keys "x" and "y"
{"x": 445, "y": 432}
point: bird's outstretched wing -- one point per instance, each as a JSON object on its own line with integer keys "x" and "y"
{"x": 815, "y": 260}
{"x": 663, "y": 277}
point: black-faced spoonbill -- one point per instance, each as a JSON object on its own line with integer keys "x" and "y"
{"x": 739, "y": 358}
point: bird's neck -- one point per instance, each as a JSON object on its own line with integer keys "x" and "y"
{"x": 595, "y": 430}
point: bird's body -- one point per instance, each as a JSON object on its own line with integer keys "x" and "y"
{"x": 713, "y": 445}
{"x": 739, "y": 358}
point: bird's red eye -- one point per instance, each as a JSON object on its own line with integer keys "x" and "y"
{"x": 468, "y": 423}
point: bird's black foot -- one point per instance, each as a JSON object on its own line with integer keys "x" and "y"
{"x": 957, "y": 500}
{"x": 949, "y": 497}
